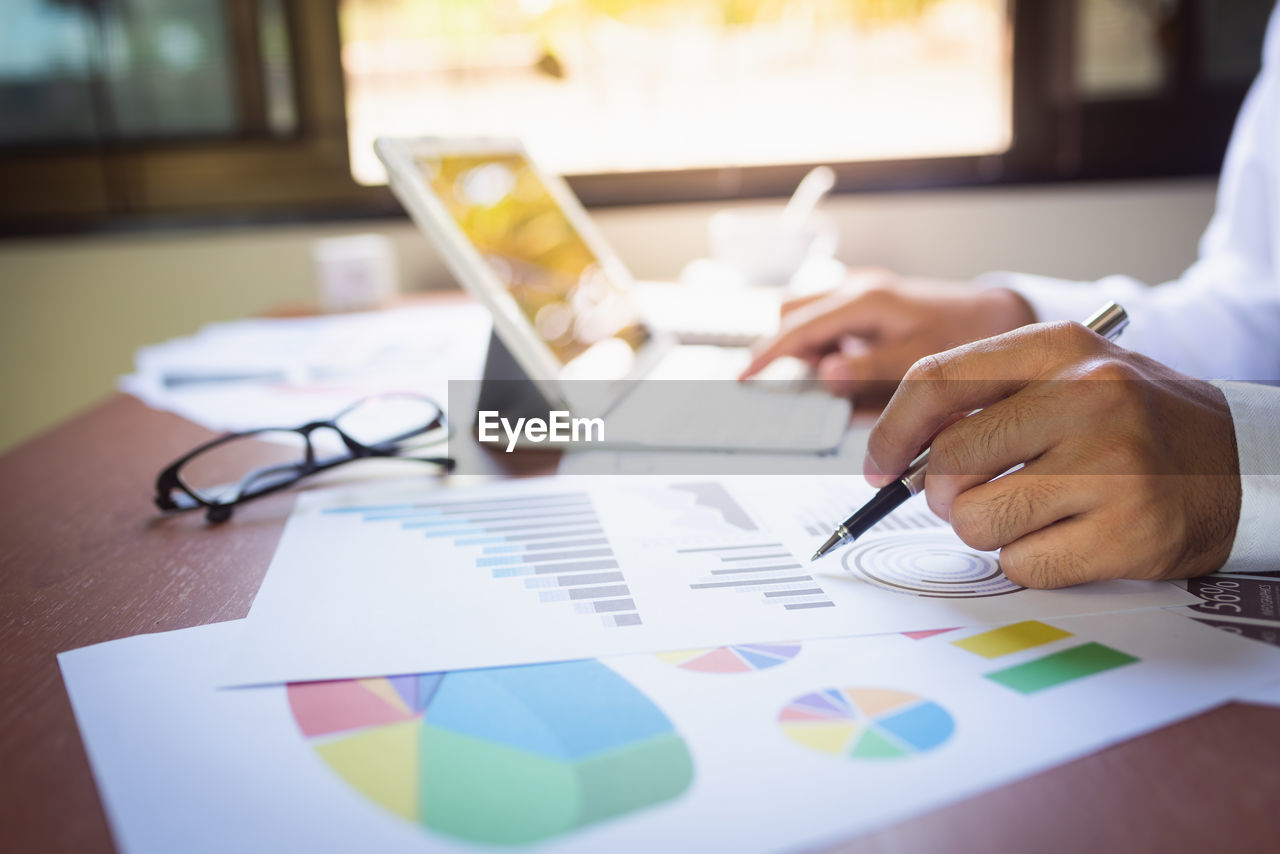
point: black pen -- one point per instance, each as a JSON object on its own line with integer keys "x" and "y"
{"x": 1107, "y": 321}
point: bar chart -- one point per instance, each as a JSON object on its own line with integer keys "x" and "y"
{"x": 551, "y": 543}
{"x": 766, "y": 571}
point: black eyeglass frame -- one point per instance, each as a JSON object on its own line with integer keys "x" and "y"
{"x": 169, "y": 484}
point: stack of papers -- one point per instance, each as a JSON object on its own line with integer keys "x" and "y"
{"x": 604, "y": 663}
{"x": 266, "y": 372}
{"x": 616, "y": 663}
{"x": 764, "y": 747}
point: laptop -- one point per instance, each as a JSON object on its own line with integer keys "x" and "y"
{"x": 568, "y": 312}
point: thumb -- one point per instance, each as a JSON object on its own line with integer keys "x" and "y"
{"x": 859, "y": 366}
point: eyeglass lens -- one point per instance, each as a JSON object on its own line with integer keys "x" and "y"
{"x": 245, "y": 465}
{"x": 389, "y": 418}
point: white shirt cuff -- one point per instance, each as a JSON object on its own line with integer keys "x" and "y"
{"x": 1255, "y": 410}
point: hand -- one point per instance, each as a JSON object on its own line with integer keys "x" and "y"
{"x": 873, "y": 329}
{"x": 1130, "y": 467}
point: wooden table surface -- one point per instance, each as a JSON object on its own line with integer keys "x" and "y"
{"x": 84, "y": 558}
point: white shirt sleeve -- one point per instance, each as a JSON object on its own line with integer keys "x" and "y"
{"x": 1255, "y": 409}
{"x": 1221, "y": 319}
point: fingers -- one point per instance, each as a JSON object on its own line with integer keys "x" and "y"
{"x": 805, "y": 332}
{"x": 789, "y": 306}
{"x": 963, "y": 379}
{"x": 1073, "y": 551}
{"x": 815, "y": 328}
{"x": 1025, "y": 428}
{"x": 993, "y": 515}
{"x": 859, "y": 364}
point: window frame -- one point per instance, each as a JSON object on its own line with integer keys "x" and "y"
{"x": 306, "y": 176}
{"x": 73, "y": 187}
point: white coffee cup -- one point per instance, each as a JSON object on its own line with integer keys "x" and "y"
{"x": 759, "y": 245}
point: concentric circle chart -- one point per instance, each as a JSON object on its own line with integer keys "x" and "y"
{"x": 733, "y": 659}
{"x": 933, "y": 565}
{"x": 866, "y": 723}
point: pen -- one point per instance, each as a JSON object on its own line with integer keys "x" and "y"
{"x": 1107, "y": 321}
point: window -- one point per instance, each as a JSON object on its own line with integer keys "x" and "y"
{"x": 126, "y": 111}
{"x": 112, "y": 110}
{"x": 601, "y": 86}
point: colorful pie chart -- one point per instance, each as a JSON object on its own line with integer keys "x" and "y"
{"x": 866, "y": 723}
{"x": 733, "y": 659}
{"x": 511, "y": 755}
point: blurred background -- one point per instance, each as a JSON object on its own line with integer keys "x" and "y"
{"x": 168, "y": 163}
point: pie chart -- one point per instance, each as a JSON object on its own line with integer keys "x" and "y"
{"x": 733, "y": 659}
{"x": 866, "y": 723}
{"x": 510, "y": 755}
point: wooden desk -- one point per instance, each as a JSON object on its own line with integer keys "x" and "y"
{"x": 83, "y": 559}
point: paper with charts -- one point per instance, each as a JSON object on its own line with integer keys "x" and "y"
{"x": 754, "y": 748}
{"x": 368, "y": 582}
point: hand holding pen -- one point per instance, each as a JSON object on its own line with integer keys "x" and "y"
{"x": 1129, "y": 468}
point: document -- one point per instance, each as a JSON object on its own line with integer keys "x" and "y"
{"x": 1267, "y": 695}
{"x": 758, "y": 747}
{"x": 368, "y": 581}
{"x": 1245, "y": 605}
{"x": 282, "y": 372}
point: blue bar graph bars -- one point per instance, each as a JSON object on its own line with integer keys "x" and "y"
{"x": 766, "y": 570}
{"x": 553, "y": 542}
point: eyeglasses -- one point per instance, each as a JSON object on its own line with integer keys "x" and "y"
{"x": 388, "y": 425}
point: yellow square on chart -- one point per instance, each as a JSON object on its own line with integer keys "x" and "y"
{"x": 1009, "y": 639}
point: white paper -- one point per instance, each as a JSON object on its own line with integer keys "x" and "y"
{"x": 1265, "y": 695}
{"x": 285, "y": 372}
{"x": 1245, "y": 605}
{"x": 183, "y": 766}
{"x": 367, "y": 582}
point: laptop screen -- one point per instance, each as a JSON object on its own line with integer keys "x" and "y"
{"x": 507, "y": 212}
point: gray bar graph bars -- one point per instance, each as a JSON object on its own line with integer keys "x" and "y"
{"x": 540, "y": 507}
{"x": 740, "y": 575}
{"x": 583, "y": 593}
{"x": 747, "y": 583}
{"x": 541, "y": 556}
{"x": 729, "y": 548}
{"x": 554, "y": 542}
{"x": 542, "y": 535}
{"x": 453, "y": 517}
{"x": 573, "y": 580}
{"x": 614, "y": 605}
{"x": 611, "y": 592}
{"x": 566, "y": 544}
{"x": 755, "y": 569}
{"x": 575, "y": 567}
{"x": 468, "y": 530}
{"x": 450, "y": 505}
